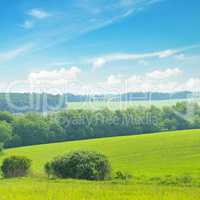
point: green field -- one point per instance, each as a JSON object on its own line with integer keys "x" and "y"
{"x": 172, "y": 153}
{"x": 97, "y": 105}
{"x": 40, "y": 189}
{"x": 146, "y": 157}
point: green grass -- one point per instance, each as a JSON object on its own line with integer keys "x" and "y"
{"x": 98, "y": 105}
{"x": 170, "y": 153}
{"x": 41, "y": 189}
{"x": 147, "y": 157}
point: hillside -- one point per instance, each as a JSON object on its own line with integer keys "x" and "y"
{"x": 170, "y": 153}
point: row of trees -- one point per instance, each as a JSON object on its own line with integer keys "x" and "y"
{"x": 34, "y": 128}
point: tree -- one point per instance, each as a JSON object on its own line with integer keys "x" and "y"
{"x": 5, "y": 132}
{"x": 31, "y": 129}
{"x": 15, "y": 166}
{"x": 80, "y": 165}
{"x": 7, "y": 117}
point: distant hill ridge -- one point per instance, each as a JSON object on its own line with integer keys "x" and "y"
{"x": 30, "y": 102}
{"x": 132, "y": 96}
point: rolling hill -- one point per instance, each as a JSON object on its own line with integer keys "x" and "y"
{"x": 168, "y": 153}
{"x": 152, "y": 156}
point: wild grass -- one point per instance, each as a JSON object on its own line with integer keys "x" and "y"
{"x": 152, "y": 155}
{"x": 40, "y": 189}
{"x": 164, "y": 166}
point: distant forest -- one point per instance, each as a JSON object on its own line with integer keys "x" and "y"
{"x": 35, "y": 128}
{"x": 32, "y": 102}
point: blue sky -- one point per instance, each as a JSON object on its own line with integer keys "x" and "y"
{"x": 99, "y": 46}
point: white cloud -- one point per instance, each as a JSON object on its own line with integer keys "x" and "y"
{"x": 68, "y": 80}
{"x": 166, "y": 53}
{"x": 83, "y": 16}
{"x": 35, "y": 14}
{"x": 193, "y": 84}
{"x": 148, "y": 85}
{"x": 55, "y": 75}
{"x": 12, "y": 54}
{"x": 38, "y": 13}
{"x": 135, "y": 79}
{"x": 28, "y": 24}
{"x": 164, "y": 74}
{"x": 113, "y": 80}
{"x": 157, "y": 80}
{"x": 177, "y": 53}
{"x": 53, "y": 81}
{"x": 100, "y": 61}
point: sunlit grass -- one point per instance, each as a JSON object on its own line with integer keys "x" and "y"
{"x": 171, "y": 153}
{"x": 161, "y": 165}
{"x": 40, "y": 189}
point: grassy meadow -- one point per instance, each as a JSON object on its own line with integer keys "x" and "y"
{"x": 156, "y": 161}
{"x": 42, "y": 189}
{"x": 168, "y": 153}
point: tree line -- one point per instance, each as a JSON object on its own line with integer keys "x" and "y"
{"x": 31, "y": 102}
{"x": 35, "y": 128}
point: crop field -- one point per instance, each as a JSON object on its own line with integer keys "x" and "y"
{"x": 97, "y": 105}
{"x": 146, "y": 157}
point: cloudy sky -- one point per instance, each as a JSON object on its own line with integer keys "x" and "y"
{"x": 99, "y": 46}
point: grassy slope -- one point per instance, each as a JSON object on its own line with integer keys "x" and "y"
{"x": 173, "y": 153}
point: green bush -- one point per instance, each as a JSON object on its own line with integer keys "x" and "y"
{"x": 184, "y": 180}
{"x": 123, "y": 176}
{"x": 15, "y": 166}
{"x": 80, "y": 165}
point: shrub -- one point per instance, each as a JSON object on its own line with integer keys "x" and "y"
{"x": 123, "y": 176}
{"x": 184, "y": 180}
{"x": 80, "y": 165}
{"x": 48, "y": 169}
{"x": 173, "y": 180}
{"x": 15, "y": 166}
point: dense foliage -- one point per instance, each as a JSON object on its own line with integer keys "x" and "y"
{"x": 30, "y": 102}
{"x": 80, "y": 165}
{"x": 15, "y": 167}
{"x": 5, "y": 133}
{"x": 34, "y": 128}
